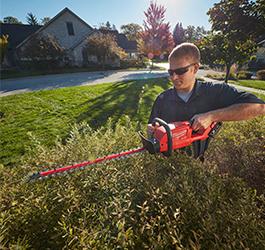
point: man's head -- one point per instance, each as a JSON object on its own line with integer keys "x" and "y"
{"x": 183, "y": 65}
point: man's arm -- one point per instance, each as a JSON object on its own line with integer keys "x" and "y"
{"x": 235, "y": 112}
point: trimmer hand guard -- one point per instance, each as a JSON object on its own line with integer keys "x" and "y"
{"x": 170, "y": 136}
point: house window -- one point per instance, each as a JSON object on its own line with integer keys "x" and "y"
{"x": 70, "y": 28}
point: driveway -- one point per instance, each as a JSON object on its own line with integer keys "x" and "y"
{"x": 27, "y": 84}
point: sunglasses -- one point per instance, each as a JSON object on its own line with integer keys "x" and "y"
{"x": 180, "y": 71}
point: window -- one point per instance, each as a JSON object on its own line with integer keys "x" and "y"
{"x": 70, "y": 28}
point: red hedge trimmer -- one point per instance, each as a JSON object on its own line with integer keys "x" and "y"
{"x": 165, "y": 139}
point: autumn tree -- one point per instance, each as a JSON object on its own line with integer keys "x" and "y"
{"x": 31, "y": 19}
{"x": 3, "y": 47}
{"x": 156, "y": 38}
{"x": 178, "y": 34}
{"x": 11, "y": 20}
{"x": 104, "y": 47}
{"x": 131, "y": 31}
{"x": 42, "y": 52}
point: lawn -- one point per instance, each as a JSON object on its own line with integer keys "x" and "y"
{"x": 49, "y": 114}
{"x": 257, "y": 84}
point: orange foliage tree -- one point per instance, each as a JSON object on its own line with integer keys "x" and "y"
{"x": 156, "y": 39}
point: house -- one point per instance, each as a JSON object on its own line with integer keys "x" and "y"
{"x": 70, "y": 31}
{"x": 16, "y": 34}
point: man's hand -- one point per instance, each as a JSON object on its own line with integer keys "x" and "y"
{"x": 202, "y": 121}
{"x": 151, "y": 129}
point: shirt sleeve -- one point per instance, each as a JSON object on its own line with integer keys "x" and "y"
{"x": 155, "y": 110}
{"x": 228, "y": 95}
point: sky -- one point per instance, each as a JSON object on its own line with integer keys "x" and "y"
{"x": 117, "y": 12}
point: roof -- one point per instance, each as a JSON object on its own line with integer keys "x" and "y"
{"x": 122, "y": 40}
{"x": 53, "y": 19}
{"x": 21, "y": 33}
{"x": 124, "y": 43}
{"x": 17, "y": 32}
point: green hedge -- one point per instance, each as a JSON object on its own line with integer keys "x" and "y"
{"x": 145, "y": 202}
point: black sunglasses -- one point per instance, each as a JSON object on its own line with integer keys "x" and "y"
{"x": 180, "y": 71}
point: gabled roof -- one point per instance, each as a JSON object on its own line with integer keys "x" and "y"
{"x": 17, "y": 32}
{"x": 126, "y": 44}
{"x": 20, "y": 33}
{"x": 52, "y": 20}
{"x": 121, "y": 39}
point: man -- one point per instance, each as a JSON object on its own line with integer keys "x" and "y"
{"x": 203, "y": 103}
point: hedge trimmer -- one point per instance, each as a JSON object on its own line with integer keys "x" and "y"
{"x": 165, "y": 139}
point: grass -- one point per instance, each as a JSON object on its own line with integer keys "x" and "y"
{"x": 257, "y": 84}
{"x": 49, "y": 114}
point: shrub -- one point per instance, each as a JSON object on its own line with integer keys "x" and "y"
{"x": 244, "y": 75}
{"x": 141, "y": 202}
{"x": 41, "y": 52}
{"x": 132, "y": 63}
{"x": 261, "y": 74}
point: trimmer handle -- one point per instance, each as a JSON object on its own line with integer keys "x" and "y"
{"x": 208, "y": 132}
{"x": 169, "y": 135}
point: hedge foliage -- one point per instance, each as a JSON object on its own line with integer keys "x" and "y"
{"x": 143, "y": 202}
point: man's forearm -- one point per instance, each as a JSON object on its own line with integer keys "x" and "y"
{"x": 238, "y": 112}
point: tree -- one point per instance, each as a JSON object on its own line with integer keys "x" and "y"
{"x": 31, "y": 19}
{"x": 3, "y": 47}
{"x": 11, "y": 19}
{"x": 156, "y": 38}
{"x": 178, "y": 34}
{"x": 194, "y": 34}
{"x": 244, "y": 17}
{"x": 106, "y": 26}
{"x": 42, "y": 52}
{"x": 45, "y": 20}
{"x": 223, "y": 49}
{"x": 238, "y": 24}
{"x": 104, "y": 47}
{"x": 131, "y": 31}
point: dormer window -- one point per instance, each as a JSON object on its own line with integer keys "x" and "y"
{"x": 70, "y": 28}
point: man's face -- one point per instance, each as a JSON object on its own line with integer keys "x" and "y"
{"x": 184, "y": 77}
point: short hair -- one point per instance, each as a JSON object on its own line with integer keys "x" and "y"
{"x": 185, "y": 51}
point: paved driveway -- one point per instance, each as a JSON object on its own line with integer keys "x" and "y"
{"x": 27, "y": 84}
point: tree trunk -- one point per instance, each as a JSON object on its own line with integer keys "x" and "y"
{"x": 228, "y": 67}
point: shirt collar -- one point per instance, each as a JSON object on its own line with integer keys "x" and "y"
{"x": 195, "y": 91}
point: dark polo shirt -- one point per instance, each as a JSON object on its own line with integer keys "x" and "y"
{"x": 205, "y": 97}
